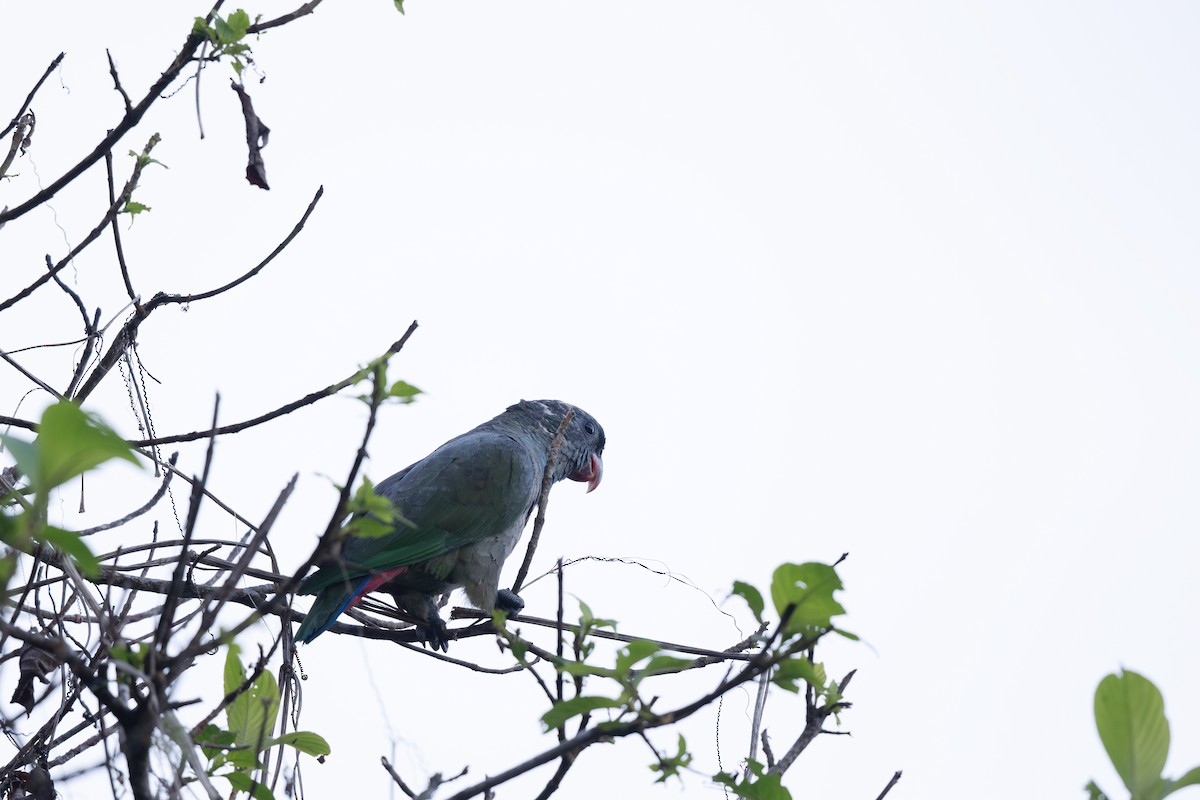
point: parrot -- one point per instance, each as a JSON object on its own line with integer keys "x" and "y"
{"x": 459, "y": 513}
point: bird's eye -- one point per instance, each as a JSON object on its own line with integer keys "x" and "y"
{"x": 590, "y": 429}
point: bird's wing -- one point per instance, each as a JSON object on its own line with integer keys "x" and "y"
{"x": 472, "y": 487}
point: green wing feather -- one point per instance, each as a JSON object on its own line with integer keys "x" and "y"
{"x": 477, "y": 485}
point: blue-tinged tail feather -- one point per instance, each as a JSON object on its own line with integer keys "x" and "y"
{"x": 328, "y": 606}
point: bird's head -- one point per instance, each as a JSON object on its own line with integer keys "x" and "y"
{"x": 583, "y": 442}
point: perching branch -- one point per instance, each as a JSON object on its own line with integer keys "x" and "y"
{"x": 543, "y": 500}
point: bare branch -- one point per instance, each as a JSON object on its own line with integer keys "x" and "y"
{"x": 162, "y": 634}
{"x": 128, "y": 332}
{"x": 470, "y": 613}
{"x": 29, "y": 97}
{"x": 131, "y": 119}
{"x": 303, "y": 10}
{"x": 41, "y": 383}
{"x": 113, "y": 209}
{"x": 396, "y": 777}
{"x": 112, "y": 70}
{"x": 614, "y": 730}
{"x": 116, "y": 229}
{"x": 132, "y": 515}
{"x": 85, "y": 359}
{"x": 308, "y": 399}
{"x": 543, "y": 500}
{"x": 895, "y": 779}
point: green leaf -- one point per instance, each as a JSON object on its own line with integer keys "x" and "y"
{"x": 752, "y": 596}
{"x": 563, "y": 711}
{"x": 133, "y": 208}
{"x": 670, "y": 765}
{"x": 202, "y": 28}
{"x": 241, "y": 757}
{"x": 399, "y": 5}
{"x": 1189, "y": 778}
{"x": 238, "y": 22}
{"x": 134, "y": 656}
{"x": 1094, "y": 792}
{"x": 24, "y": 453}
{"x": 634, "y": 652}
{"x": 578, "y": 668}
{"x": 71, "y": 442}
{"x": 145, "y": 160}
{"x": 235, "y": 673}
{"x": 368, "y": 528}
{"x": 252, "y": 714}
{"x": 232, "y": 28}
{"x": 515, "y": 643}
{"x": 404, "y": 392}
{"x": 1134, "y": 730}
{"x": 241, "y": 782}
{"x": 809, "y": 589}
{"x": 8, "y": 565}
{"x": 366, "y": 501}
{"x": 660, "y": 664}
{"x": 767, "y": 787}
{"x": 305, "y": 741}
{"x": 212, "y": 740}
{"x": 69, "y": 543}
{"x": 373, "y": 514}
{"x": 588, "y": 621}
{"x": 799, "y": 668}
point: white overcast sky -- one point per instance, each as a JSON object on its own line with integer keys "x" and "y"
{"x": 910, "y": 280}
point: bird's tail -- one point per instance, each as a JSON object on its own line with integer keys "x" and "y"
{"x": 330, "y": 603}
{"x": 336, "y": 598}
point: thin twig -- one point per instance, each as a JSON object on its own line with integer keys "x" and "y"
{"x": 235, "y": 574}
{"x": 543, "y": 500}
{"x": 470, "y": 613}
{"x": 768, "y": 754}
{"x": 128, "y": 332}
{"x": 116, "y": 229}
{"x": 895, "y": 779}
{"x": 112, "y": 70}
{"x": 616, "y": 730}
{"x": 329, "y": 538}
{"x": 307, "y": 8}
{"x": 41, "y": 383}
{"x": 29, "y": 97}
{"x": 308, "y": 399}
{"x": 167, "y": 621}
{"x": 396, "y": 777}
{"x": 760, "y": 704}
{"x": 124, "y": 126}
{"x": 85, "y": 359}
{"x": 113, "y": 210}
{"x": 132, "y": 515}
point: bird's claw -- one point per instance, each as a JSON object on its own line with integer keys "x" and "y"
{"x": 437, "y": 637}
{"x": 508, "y": 602}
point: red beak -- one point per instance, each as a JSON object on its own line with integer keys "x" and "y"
{"x": 597, "y": 467}
{"x": 590, "y": 473}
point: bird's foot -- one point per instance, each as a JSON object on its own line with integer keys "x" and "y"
{"x": 508, "y": 602}
{"x": 437, "y": 637}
